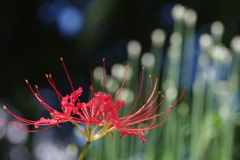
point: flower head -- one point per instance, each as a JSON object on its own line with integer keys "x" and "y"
{"x": 101, "y": 115}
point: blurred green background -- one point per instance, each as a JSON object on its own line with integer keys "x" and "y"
{"x": 201, "y": 54}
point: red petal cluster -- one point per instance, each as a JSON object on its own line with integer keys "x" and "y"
{"x": 101, "y": 109}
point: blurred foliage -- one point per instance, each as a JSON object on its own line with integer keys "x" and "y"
{"x": 203, "y": 126}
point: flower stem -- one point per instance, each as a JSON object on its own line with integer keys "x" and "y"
{"x": 84, "y": 151}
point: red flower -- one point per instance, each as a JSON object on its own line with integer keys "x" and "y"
{"x": 131, "y": 123}
{"x": 102, "y": 111}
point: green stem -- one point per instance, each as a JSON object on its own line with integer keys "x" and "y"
{"x": 84, "y": 151}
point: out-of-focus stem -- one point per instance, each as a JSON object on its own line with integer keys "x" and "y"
{"x": 84, "y": 151}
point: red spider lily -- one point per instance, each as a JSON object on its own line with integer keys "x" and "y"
{"x": 101, "y": 111}
{"x": 148, "y": 111}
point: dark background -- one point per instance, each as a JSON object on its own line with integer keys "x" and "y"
{"x": 29, "y": 48}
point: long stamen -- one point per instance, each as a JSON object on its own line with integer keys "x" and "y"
{"x": 38, "y": 96}
{"x": 180, "y": 97}
{"x": 139, "y": 93}
{"x": 29, "y": 122}
{"x": 82, "y": 118}
{"x": 153, "y": 117}
{"x": 92, "y": 114}
{"x": 33, "y": 130}
{"x": 150, "y": 87}
{"x": 92, "y": 91}
{"x": 85, "y": 113}
{"x": 139, "y": 115}
{"x": 51, "y": 82}
{"x": 66, "y": 71}
{"x": 147, "y": 110}
{"x": 92, "y": 82}
{"x": 92, "y": 111}
{"x": 103, "y": 84}
{"x": 29, "y": 86}
{"x": 154, "y": 89}
{"x": 150, "y": 93}
{"x": 104, "y": 76}
{"x": 159, "y": 104}
{"x": 169, "y": 109}
{"x": 145, "y": 104}
{"x": 93, "y": 108}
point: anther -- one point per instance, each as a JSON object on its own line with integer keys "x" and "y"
{"x": 171, "y": 106}
{"x": 61, "y": 59}
{"x": 103, "y": 59}
{"x": 46, "y": 75}
{"x": 91, "y": 88}
{"x": 36, "y": 86}
{"x": 4, "y": 107}
{"x": 26, "y": 80}
{"x": 150, "y": 76}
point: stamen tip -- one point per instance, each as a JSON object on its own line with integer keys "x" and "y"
{"x": 150, "y": 76}
{"x": 162, "y": 96}
{"x": 159, "y": 92}
{"x": 61, "y": 59}
{"x": 143, "y": 68}
{"x": 91, "y": 87}
{"x": 4, "y": 107}
{"x": 26, "y": 80}
{"x": 171, "y": 106}
{"x": 35, "y": 94}
{"x": 128, "y": 65}
{"x": 36, "y": 86}
{"x": 103, "y": 59}
{"x": 46, "y": 75}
